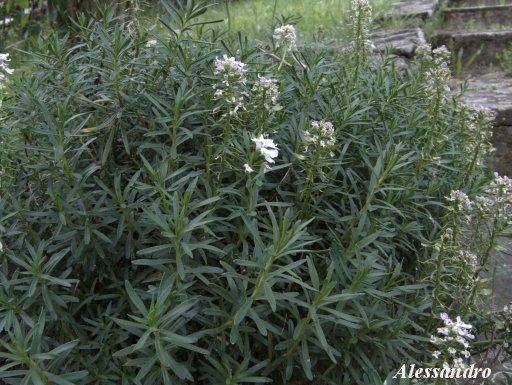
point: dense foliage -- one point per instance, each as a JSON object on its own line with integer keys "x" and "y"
{"x": 170, "y": 214}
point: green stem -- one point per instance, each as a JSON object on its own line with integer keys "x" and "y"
{"x": 229, "y": 14}
{"x": 305, "y": 196}
{"x": 435, "y": 293}
{"x": 282, "y": 59}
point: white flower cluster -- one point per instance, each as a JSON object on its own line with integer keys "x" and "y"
{"x": 501, "y": 187}
{"x": 497, "y": 199}
{"x": 285, "y": 37}
{"x": 437, "y": 77}
{"x": 452, "y": 341}
{"x": 468, "y": 265}
{"x": 232, "y": 71}
{"x": 424, "y": 52}
{"x": 441, "y": 55}
{"x": 461, "y": 200}
{"x": 484, "y": 204}
{"x": 321, "y": 134}
{"x": 233, "y": 74}
{"x": 266, "y": 89}
{"x": 4, "y": 59}
{"x": 479, "y": 128}
{"x": 151, "y": 43}
{"x": 484, "y": 113}
{"x": 361, "y": 23}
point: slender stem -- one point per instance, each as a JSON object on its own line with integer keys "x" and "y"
{"x": 305, "y": 196}
{"x": 435, "y": 293}
{"x": 229, "y": 14}
{"x": 282, "y": 60}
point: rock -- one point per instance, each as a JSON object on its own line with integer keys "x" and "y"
{"x": 402, "y": 42}
{"x": 487, "y": 17}
{"x": 494, "y": 93}
{"x": 413, "y": 8}
{"x": 502, "y": 161}
{"x": 399, "y": 42}
{"x": 482, "y": 47}
{"x": 476, "y": 3}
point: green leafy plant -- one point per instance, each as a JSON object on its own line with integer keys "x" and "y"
{"x": 506, "y": 60}
{"x": 185, "y": 207}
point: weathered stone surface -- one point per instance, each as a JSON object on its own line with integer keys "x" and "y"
{"x": 414, "y": 8}
{"x": 477, "y": 3}
{"x": 494, "y": 93}
{"x": 502, "y": 158}
{"x": 503, "y": 262}
{"x": 401, "y": 42}
{"x": 478, "y": 17}
{"x": 490, "y": 44}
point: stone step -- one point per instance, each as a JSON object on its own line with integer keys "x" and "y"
{"x": 413, "y": 9}
{"x": 401, "y": 42}
{"x": 471, "y": 18}
{"x": 476, "y": 3}
{"x": 495, "y": 93}
{"x": 502, "y": 164}
{"x": 490, "y": 44}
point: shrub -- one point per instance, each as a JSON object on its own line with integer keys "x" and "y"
{"x": 189, "y": 208}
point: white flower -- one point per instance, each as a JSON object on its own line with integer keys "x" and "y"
{"x": 442, "y": 54}
{"x": 266, "y": 88}
{"x": 444, "y": 317}
{"x": 361, "y": 23}
{"x": 267, "y": 148}
{"x": 454, "y": 334}
{"x": 4, "y": 59}
{"x": 500, "y": 187}
{"x": 151, "y": 43}
{"x": 285, "y": 37}
{"x": 460, "y": 198}
{"x": 236, "y": 103}
{"x": 218, "y": 94}
{"x": 424, "y": 52}
{"x": 321, "y": 134}
{"x": 248, "y": 168}
{"x": 458, "y": 363}
{"x": 232, "y": 71}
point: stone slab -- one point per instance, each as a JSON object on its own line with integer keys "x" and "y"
{"x": 502, "y": 164}
{"x": 402, "y": 42}
{"x": 423, "y": 9}
{"x": 399, "y": 42}
{"x": 486, "y": 17}
{"x": 476, "y": 3}
{"x": 494, "y": 93}
{"x": 490, "y": 44}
